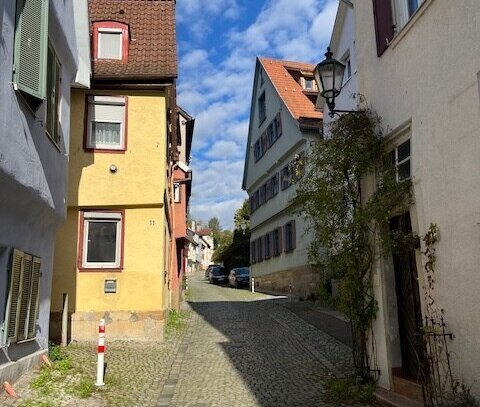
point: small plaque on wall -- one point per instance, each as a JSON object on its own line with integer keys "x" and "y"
{"x": 110, "y": 286}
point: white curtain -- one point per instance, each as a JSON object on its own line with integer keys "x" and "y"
{"x": 400, "y": 9}
{"x": 104, "y": 133}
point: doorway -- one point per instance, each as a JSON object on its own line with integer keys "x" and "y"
{"x": 408, "y": 300}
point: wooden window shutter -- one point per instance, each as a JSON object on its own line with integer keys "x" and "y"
{"x": 384, "y": 30}
{"x": 34, "y": 299}
{"x": 16, "y": 274}
{"x": 31, "y": 46}
{"x": 279, "y": 124}
{"x": 25, "y": 298}
{"x": 294, "y": 235}
{"x": 280, "y": 240}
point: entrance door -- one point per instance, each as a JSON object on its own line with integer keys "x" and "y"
{"x": 408, "y": 300}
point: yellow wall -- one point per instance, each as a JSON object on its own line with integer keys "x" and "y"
{"x": 139, "y": 188}
{"x": 141, "y": 170}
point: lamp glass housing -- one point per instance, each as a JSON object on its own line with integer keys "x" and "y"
{"x": 329, "y": 76}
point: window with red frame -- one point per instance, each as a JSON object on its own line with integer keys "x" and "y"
{"x": 110, "y": 40}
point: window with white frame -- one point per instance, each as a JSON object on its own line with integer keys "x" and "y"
{"x": 400, "y": 156}
{"x": 176, "y": 192}
{"x": 106, "y": 122}
{"x": 402, "y": 11}
{"x": 110, "y": 43}
{"x": 102, "y": 239}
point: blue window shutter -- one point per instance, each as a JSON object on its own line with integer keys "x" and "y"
{"x": 31, "y": 45}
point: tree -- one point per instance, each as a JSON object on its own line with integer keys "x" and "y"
{"x": 234, "y": 248}
{"x": 242, "y": 216}
{"x": 214, "y": 226}
{"x": 345, "y": 221}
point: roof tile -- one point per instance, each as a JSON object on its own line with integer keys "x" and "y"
{"x": 299, "y": 105}
{"x": 152, "y": 51}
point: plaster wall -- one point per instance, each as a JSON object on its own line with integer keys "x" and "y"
{"x": 33, "y": 170}
{"x": 274, "y": 212}
{"x": 428, "y": 77}
{"x": 140, "y": 168}
{"x": 341, "y": 44}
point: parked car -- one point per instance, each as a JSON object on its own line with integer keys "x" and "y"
{"x": 218, "y": 274}
{"x": 207, "y": 271}
{"x": 239, "y": 277}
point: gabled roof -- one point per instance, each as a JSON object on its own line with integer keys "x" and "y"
{"x": 152, "y": 53}
{"x": 289, "y": 90}
{"x": 204, "y": 232}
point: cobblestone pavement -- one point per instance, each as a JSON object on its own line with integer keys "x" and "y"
{"x": 245, "y": 349}
{"x": 239, "y": 349}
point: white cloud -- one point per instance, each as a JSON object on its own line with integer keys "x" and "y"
{"x": 218, "y": 94}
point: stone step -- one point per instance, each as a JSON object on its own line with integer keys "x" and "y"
{"x": 408, "y": 388}
{"x": 387, "y": 398}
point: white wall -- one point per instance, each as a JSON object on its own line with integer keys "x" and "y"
{"x": 429, "y": 76}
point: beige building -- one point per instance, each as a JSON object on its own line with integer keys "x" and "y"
{"x": 283, "y": 126}
{"x": 419, "y": 69}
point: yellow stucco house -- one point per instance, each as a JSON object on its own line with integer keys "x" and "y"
{"x": 112, "y": 255}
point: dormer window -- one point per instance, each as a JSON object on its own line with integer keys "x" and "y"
{"x": 308, "y": 83}
{"x": 110, "y": 41}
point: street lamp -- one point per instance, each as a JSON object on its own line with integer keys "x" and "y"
{"x": 329, "y": 78}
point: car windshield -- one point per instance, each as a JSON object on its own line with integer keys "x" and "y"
{"x": 218, "y": 271}
{"x": 242, "y": 272}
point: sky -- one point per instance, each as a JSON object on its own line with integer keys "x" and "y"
{"x": 218, "y": 43}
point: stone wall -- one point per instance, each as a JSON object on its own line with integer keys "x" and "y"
{"x": 301, "y": 281}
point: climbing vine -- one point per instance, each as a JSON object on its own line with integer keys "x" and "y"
{"x": 345, "y": 215}
{"x": 439, "y": 384}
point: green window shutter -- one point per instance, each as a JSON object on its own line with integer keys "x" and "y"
{"x": 16, "y": 273}
{"x": 25, "y": 298}
{"x": 31, "y": 46}
{"x": 34, "y": 296}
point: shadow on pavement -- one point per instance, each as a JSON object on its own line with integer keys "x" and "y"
{"x": 284, "y": 361}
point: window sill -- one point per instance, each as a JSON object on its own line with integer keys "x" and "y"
{"x": 103, "y": 150}
{"x": 100, "y": 270}
{"x": 407, "y": 27}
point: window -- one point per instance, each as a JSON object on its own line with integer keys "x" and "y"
{"x": 177, "y": 192}
{"x": 102, "y": 240}
{"x": 271, "y": 136}
{"x": 277, "y": 241}
{"x": 289, "y": 232}
{"x": 268, "y": 242}
{"x": 109, "y": 43}
{"x": 309, "y": 84}
{"x": 401, "y": 159}
{"x": 262, "y": 109}
{"x": 257, "y": 150}
{"x": 402, "y": 11}
{"x": 110, "y": 40}
{"x": 23, "y": 294}
{"x": 259, "y": 251}
{"x": 31, "y": 47}
{"x": 286, "y": 175}
{"x": 106, "y": 126}
{"x": 275, "y": 184}
{"x": 390, "y": 17}
{"x": 278, "y": 125}
{"x": 53, "y": 96}
{"x": 253, "y": 258}
{"x": 263, "y": 194}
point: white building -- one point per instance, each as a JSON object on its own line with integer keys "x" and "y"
{"x": 419, "y": 69}
{"x": 283, "y": 124}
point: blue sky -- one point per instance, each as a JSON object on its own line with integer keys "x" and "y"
{"x": 218, "y": 43}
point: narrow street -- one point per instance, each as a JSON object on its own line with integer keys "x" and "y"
{"x": 245, "y": 349}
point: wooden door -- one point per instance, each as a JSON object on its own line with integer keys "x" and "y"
{"x": 408, "y": 300}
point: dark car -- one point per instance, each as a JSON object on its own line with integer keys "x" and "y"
{"x": 207, "y": 271}
{"x": 239, "y": 277}
{"x": 218, "y": 275}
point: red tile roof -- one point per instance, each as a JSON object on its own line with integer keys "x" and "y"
{"x": 291, "y": 92}
{"x": 152, "y": 52}
{"x": 204, "y": 232}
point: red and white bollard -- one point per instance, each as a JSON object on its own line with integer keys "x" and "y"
{"x": 101, "y": 353}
